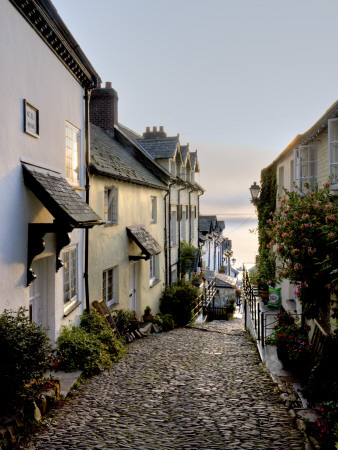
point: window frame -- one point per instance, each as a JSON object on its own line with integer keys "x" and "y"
{"x": 153, "y": 270}
{"x": 153, "y": 209}
{"x": 332, "y": 163}
{"x": 105, "y": 286}
{"x": 299, "y": 166}
{"x": 111, "y": 209}
{"x": 73, "y": 286}
{"x": 173, "y": 226}
{"x": 69, "y": 154}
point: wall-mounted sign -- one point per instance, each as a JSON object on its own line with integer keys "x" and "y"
{"x": 31, "y": 119}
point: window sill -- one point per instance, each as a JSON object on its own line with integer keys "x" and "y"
{"x": 110, "y": 224}
{"x": 70, "y": 308}
{"x": 154, "y": 283}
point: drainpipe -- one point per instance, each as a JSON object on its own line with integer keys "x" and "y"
{"x": 179, "y": 230}
{"x": 191, "y": 190}
{"x": 169, "y": 275}
{"x": 198, "y": 222}
{"x": 87, "y": 158}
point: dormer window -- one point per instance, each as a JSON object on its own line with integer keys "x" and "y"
{"x": 172, "y": 168}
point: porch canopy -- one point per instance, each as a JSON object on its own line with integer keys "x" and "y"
{"x": 144, "y": 240}
{"x": 59, "y": 198}
{"x": 63, "y": 203}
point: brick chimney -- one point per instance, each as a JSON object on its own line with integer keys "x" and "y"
{"x": 103, "y": 108}
{"x": 154, "y": 133}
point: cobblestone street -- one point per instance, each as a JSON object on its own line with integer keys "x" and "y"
{"x": 184, "y": 389}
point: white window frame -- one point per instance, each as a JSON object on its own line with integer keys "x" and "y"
{"x": 109, "y": 299}
{"x": 333, "y": 163}
{"x": 70, "y": 275}
{"x": 153, "y": 270}
{"x": 111, "y": 203}
{"x": 301, "y": 163}
{"x": 153, "y": 209}
{"x": 173, "y": 225}
{"x": 73, "y": 153}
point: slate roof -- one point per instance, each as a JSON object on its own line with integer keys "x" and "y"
{"x": 109, "y": 158}
{"x": 185, "y": 154}
{"x": 194, "y": 161}
{"x": 160, "y": 148}
{"x": 223, "y": 280}
{"x": 144, "y": 240}
{"x": 59, "y": 198}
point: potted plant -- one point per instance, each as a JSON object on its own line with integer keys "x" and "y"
{"x": 148, "y": 315}
{"x": 230, "y": 306}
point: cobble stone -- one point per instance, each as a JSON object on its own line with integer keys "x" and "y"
{"x": 184, "y": 389}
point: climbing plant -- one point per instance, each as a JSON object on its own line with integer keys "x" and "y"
{"x": 187, "y": 257}
{"x": 266, "y": 205}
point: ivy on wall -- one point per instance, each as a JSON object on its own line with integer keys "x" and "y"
{"x": 266, "y": 205}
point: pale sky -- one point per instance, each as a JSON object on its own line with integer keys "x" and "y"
{"x": 236, "y": 79}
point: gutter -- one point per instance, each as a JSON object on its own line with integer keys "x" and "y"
{"x": 87, "y": 159}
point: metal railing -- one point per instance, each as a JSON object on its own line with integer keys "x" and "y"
{"x": 262, "y": 322}
{"x": 204, "y": 300}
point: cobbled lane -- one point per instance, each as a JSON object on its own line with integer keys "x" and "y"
{"x": 184, "y": 389}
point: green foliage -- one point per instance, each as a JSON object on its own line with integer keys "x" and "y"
{"x": 166, "y": 321}
{"x": 230, "y": 306}
{"x": 147, "y": 310}
{"x": 24, "y": 350}
{"x": 187, "y": 257}
{"x": 325, "y": 429}
{"x": 322, "y": 384}
{"x": 95, "y": 324}
{"x": 90, "y": 347}
{"x": 254, "y": 276}
{"x": 304, "y": 234}
{"x": 266, "y": 205}
{"x": 123, "y": 318}
{"x": 80, "y": 350}
{"x": 179, "y": 300}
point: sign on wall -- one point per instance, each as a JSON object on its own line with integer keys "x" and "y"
{"x": 31, "y": 119}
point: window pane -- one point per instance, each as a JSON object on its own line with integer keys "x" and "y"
{"x": 334, "y": 131}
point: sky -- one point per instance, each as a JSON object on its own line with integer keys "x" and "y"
{"x": 238, "y": 80}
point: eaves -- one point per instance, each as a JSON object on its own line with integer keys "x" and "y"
{"x": 45, "y": 20}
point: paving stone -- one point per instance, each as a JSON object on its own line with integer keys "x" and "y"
{"x": 184, "y": 389}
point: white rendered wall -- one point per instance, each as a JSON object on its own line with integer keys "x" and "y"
{"x": 31, "y": 71}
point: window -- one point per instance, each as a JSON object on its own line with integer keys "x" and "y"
{"x": 111, "y": 205}
{"x": 280, "y": 180}
{"x": 172, "y": 168}
{"x": 291, "y": 175}
{"x": 153, "y": 209}
{"x": 72, "y": 153}
{"x": 108, "y": 286}
{"x": 153, "y": 269}
{"x": 173, "y": 275}
{"x": 306, "y": 166}
{"x": 69, "y": 259}
{"x": 333, "y": 152}
{"x": 192, "y": 220}
{"x": 183, "y": 223}
{"x": 173, "y": 228}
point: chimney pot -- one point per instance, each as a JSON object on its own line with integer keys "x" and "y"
{"x": 147, "y": 129}
{"x": 108, "y": 85}
{"x": 154, "y": 129}
{"x": 98, "y": 86}
{"x": 161, "y": 128}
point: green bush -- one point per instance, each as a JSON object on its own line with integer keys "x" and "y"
{"x": 123, "y": 318}
{"x": 179, "y": 300}
{"x": 79, "y": 350}
{"x": 95, "y": 323}
{"x": 24, "y": 350}
{"x": 167, "y": 322}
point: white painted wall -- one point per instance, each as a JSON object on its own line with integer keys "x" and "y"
{"x": 31, "y": 71}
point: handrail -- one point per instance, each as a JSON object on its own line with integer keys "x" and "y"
{"x": 321, "y": 329}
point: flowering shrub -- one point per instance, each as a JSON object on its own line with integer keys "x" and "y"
{"x": 327, "y": 425}
{"x": 290, "y": 337}
{"x": 304, "y": 234}
{"x": 197, "y": 279}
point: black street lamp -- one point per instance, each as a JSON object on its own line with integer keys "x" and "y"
{"x": 254, "y": 190}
